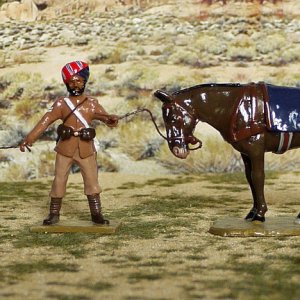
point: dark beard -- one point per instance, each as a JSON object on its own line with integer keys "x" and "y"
{"x": 73, "y": 92}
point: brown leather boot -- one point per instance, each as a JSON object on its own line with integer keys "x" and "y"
{"x": 53, "y": 217}
{"x": 95, "y": 208}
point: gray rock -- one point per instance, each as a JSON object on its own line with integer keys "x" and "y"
{"x": 7, "y": 40}
{"x": 81, "y": 41}
{"x": 67, "y": 34}
{"x": 45, "y": 37}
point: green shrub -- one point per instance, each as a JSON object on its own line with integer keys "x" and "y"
{"x": 2, "y": 59}
{"x": 241, "y": 53}
{"x": 139, "y": 77}
{"x": 106, "y": 163}
{"x": 15, "y": 172}
{"x": 241, "y": 48}
{"x": 134, "y": 138}
{"x": 27, "y": 56}
{"x": 211, "y": 44}
{"x": 23, "y": 85}
{"x": 184, "y": 57}
{"x": 270, "y": 43}
{"x": 26, "y": 108}
{"x": 46, "y": 163}
{"x": 291, "y": 55}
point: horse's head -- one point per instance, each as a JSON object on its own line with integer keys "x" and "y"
{"x": 180, "y": 125}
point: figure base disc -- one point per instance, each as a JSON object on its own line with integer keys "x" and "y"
{"x": 238, "y": 227}
{"x": 77, "y": 226}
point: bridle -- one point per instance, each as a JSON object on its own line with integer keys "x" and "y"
{"x": 190, "y": 139}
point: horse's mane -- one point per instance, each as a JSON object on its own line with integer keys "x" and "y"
{"x": 206, "y": 85}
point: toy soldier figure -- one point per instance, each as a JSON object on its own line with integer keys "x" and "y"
{"x": 75, "y": 140}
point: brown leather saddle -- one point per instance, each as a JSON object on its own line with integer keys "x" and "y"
{"x": 248, "y": 116}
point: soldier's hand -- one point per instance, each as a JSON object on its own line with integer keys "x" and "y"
{"x": 25, "y": 145}
{"x": 112, "y": 120}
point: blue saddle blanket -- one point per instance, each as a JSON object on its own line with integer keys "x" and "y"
{"x": 283, "y": 108}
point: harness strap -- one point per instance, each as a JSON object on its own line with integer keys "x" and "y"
{"x": 284, "y": 142}
{"x": 76, "y": 113}
{"x": 81, "y": 119}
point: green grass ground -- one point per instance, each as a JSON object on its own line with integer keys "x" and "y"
{"x": 163, "y": 249}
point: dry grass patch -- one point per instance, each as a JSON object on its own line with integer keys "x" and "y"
{"x": 163, "y": 242}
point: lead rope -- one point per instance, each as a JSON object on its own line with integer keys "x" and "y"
{"x": 15, "y": 146}
{"x": 120, "y": 118}
{"x": 151, "y": 116}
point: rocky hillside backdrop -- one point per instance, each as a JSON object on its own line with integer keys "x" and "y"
{"x": 31, "y": 10}
{"x": 135, "y": 47}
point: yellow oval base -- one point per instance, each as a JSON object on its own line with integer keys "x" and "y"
{"x": 273, "y": 227}
{"x": 77, "y": 226}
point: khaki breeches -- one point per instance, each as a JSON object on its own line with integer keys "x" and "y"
{"x": 89, "y": 171}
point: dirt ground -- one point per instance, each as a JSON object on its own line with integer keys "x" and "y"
{"x": 162, "y": 250}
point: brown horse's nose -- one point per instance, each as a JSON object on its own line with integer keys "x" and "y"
{"x": 180, "y": 152}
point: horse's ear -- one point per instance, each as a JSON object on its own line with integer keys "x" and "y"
{"x": 163, "y": 96}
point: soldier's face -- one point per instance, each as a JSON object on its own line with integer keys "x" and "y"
{"x": 76, "y": 85}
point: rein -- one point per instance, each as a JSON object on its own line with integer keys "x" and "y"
{"x": 135, "y": 112}
{"x": 12, "y": 147}
{"x": 120, "y": 118}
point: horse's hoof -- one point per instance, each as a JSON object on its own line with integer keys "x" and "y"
{"x": 258, "y": 218}
{"x": 250, "y": 215}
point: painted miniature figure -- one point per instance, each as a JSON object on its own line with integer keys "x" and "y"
{"x": 254, "y": 118}
{"x": 75, "y": 141}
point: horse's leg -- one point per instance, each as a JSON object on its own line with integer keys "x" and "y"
{"x": 248, "y": 172}
{"x": 258, "y": 181}
{"x": 297, "y": 221}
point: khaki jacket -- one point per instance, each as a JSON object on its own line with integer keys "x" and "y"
{"x": 90, "y": 110}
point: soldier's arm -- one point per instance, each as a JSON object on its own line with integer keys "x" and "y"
{"x": 100, "y": 114}
{"x": 53, "y": 114}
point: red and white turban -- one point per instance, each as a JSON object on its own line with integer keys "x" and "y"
{"x": 73, "y": 68}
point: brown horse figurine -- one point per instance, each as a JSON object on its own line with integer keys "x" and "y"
{"x": 245, "y": 117}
